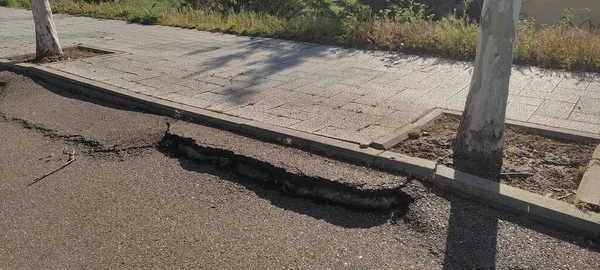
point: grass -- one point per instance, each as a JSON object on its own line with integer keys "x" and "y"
{"x": 555, "y": 46}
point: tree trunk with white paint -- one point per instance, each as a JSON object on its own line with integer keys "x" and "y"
{"x": 479, "y": 142}
{"x": 46, "y": 38}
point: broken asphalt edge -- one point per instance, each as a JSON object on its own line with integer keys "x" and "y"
{"x": 544, "y": 210}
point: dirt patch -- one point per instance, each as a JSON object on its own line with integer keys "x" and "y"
{"x": 69, "y": 53}
{"x": 549, "y": 167}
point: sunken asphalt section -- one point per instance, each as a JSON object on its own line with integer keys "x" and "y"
{"x": 537, "y": 207}
{"x": 132, "y": 200}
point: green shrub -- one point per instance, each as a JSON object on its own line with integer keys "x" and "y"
{"x": 282, "y": 8}
{"x": 15, "y": 3}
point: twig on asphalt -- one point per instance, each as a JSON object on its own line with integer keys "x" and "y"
{"x": 69, "y": 161}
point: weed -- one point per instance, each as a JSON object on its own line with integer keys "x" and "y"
{"x": 14, "y": 3}
{"x": 145, "y": 19}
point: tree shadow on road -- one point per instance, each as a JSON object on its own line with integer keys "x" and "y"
{"x": 476, "y": 232}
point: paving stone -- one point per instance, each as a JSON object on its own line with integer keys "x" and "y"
{"x": 544, "y": 84}
{"x": 575, "y": 83}
{"x": 122, "y": 83}
{"x": 550, "y": 96}
{"x": 326, "y": 81}
{"x": 314, "y": 124}
{"x": 344, "y": 134}
{"x": 292, "y": 113}
{"x": 586, "y": 118}
{"x": 555, "y": 109}
{"x": 374, "y": 132}
{"x": 400, "y": 105}
{"x": 353, "y": 89}
{"x": 155, "y": 83}
{"x": 212, "y": 97}
{"x": 282, "y": 121}
{"x": 231, "y": 88}
{"x": 412, "y": 80}
{"x": 328, "y": 73}
{"x": 357, "y": 122}
{"x": 357, "y": 79}
{"x": 251, "y": 112}
{"x": 376, "y": 97}
{"x": 525, "y": 100}
{"x": 520, "y": 112}
{"x": 436, "y": 97}
{"x": 399, "y": 119}
{"x": 562, "y": 123}
{"x": 390, "y": 77}
{"x": 147, "y": 90}
{"x": 295, "y": 84}
{"x": 271, "y": 102}
{"x": 588, "y": 106}
{"x": 324, "y": 110}
{"x": 316, "y": 91}
{"x": 194, "y": 84}
{"x": 230, "y": 104}
{"x": 408, "y": 95}
{"x": 575, "y": 92}
{"x": 593, "y": 87}
{"x": 364, "y": 71}
{"x": 518, "y": 83}
{"x": 340, "y": 99}
{"x": 361, "y": 108}
{"x": 188, "y": 100}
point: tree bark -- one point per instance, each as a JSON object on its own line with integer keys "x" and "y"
{"x": 480, "y": 138}
{"x": 46, "y": 38}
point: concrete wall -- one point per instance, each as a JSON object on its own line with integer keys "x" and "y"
{"x": 550, "y": 11}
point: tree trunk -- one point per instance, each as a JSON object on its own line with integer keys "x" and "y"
{"x": 46, "y": 38}
{"x": 480, "y": 138}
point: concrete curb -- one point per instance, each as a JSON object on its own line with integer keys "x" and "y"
{"x": 401, "y": 134}
{"x": 588, "y": 190}
{"x": 558, "y": 133}
{"x": 548, "y": 211}
{"x": 537, "y": 207}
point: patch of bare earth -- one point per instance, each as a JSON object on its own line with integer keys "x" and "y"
{"x": 549, "y": 167}
{"x": 69, "y": 53}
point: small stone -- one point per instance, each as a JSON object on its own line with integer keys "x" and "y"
{"x": 413, "y": 135}
{"x": 548, "y": 195}
{"x": 364, "y": 144}
{"x": 425, "y": 133}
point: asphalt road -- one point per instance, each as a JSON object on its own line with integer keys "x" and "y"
{"x": 124, "y": 203}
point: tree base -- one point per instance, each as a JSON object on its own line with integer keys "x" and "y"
{"x": 485, "y": 166}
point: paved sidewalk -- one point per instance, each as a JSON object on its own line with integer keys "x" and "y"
{"x": 347, "y": 94}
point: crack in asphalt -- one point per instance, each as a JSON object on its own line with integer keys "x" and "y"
{"x": 93, "y": 145}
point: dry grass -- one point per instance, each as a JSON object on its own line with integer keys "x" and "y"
{"x": 553, "y": 46}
